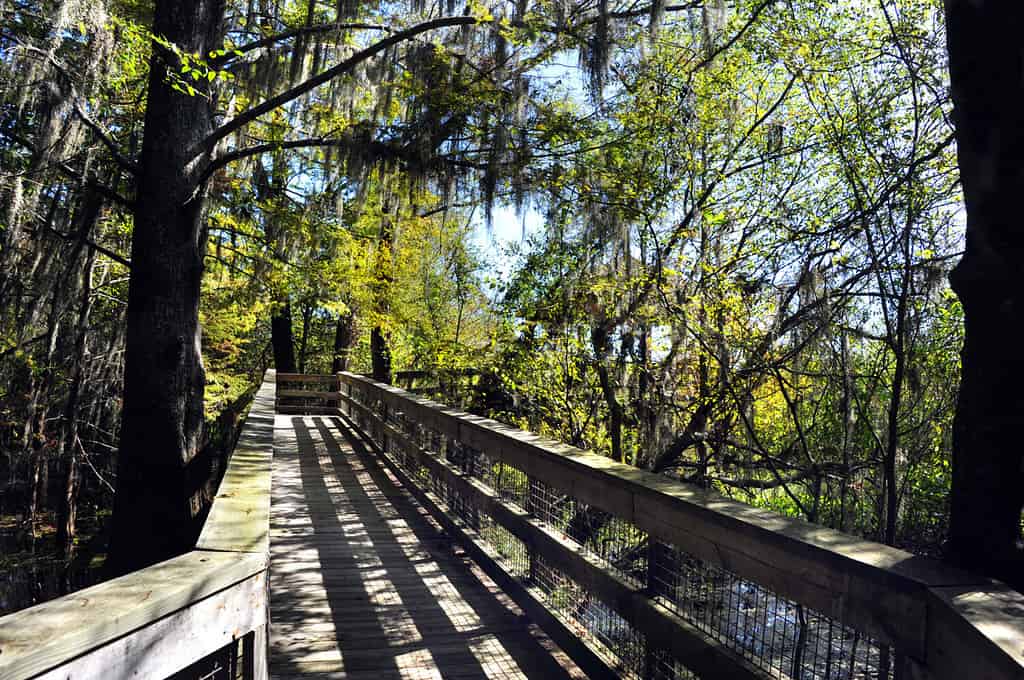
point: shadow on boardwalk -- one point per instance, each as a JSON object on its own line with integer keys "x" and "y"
{"x": 365, "y": 585}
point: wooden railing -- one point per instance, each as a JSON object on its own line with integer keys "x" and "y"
{"x": 302, "y": 393}
{"x": 203, "y": 614}
{"x": 636, "y": 574}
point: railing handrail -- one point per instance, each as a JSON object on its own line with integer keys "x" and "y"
{"x": 951, "y": 624}
{"x": 222, "y": 582}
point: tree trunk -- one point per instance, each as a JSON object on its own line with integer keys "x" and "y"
{"x": 307, "y": 319}
{"x": 342, "y": 343}
{"x": 34, "y": 437}
{"x": 163, "y": 373}
{"x": 92, "y": 207}
{"x": 600, "y": 341}
{"x": 281, "y": 338}
{"x": 380, "y": 356}
{"x": 987, "y": 74}
{"x": 68, "y": 517}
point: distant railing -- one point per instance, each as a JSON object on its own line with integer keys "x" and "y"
{"x": 201, "y": 615}
{"x": 302, "y": 393}
{"x": 638, "y": 575}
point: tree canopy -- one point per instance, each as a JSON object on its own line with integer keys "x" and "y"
{"x": 738, "y": 223}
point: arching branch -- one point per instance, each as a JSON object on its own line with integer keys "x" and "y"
{"x": 269, "y": 40}
{"x": 269, "y": 105}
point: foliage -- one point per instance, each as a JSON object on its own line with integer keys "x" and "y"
{"x": 748, "y": 216}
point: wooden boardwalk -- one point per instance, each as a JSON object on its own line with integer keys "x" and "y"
{"x": 363, "y": 584}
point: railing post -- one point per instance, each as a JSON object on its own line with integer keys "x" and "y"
{"x": 254, "y": 654}
{"x": 651, "y": 586}
{"x": 532, "y": 505}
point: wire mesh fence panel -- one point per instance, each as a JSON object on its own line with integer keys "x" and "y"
{"x": 777, "y": 635}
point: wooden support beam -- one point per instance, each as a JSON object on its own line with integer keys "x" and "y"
{"x": 326, "y": 379}
{"x": 307, "y": 394}
{"x": 285, "y": 409}
{"x": 239, "y": 518}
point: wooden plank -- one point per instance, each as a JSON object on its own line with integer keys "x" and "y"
{"x": 412, "y": 375}
{"x": 286, "y": 409}
{"x": 328, "y": 378}
{"x": 874, "y": 588}
{"x": 239, "y": 519}
{"x": 46, "y": 636}
{"x": 357, "y": 592}
{"x": 307, "y": 394}
{"x": 176, "y": 641}
{"x": 257, "y": 648}
{"x": 976, "y": 633}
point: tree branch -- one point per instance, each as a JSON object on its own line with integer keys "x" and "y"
{"x": 95, "y": 246}
{"x": 219, "y": 62}
{"x": 124, "y": 163}
{"x": 64, "y": 167}
{"x": 268, "y": 105}
{"x": 739, "y": 34}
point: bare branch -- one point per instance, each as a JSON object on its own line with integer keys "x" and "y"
{"x": 124, "y": 163}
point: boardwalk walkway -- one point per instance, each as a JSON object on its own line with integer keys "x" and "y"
{"x": 365, "y": 585}
{"x": 312, "y": 543}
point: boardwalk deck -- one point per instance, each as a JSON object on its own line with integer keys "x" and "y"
{"x": 365, "y": 585}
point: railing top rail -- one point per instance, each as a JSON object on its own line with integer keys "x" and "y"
{"x": 937, "y": 614}
{"x": 239, "y": 519}
{"x": 233, "y": 547}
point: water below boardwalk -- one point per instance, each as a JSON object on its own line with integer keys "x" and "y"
{"x": 31, "y": 572}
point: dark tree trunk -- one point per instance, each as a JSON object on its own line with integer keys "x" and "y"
{"x": 307, "y": 319}
{"x": 281, "y": 338}
{"x": 271, "y": 190}
{"x": 342, "y": 343}
{"x": 35, "y": 438}
{"x": 380, "y": 356}
{"x": 987, "y": 74}
{"x": 600, "y": 340}
{"x": 164, "y": 378}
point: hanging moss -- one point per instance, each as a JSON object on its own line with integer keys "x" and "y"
{"x": 347, "y": 9}
{"x": 713, "y": 19}
{"x": 595, "y": 53}
{"x": 657, "y": 16}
